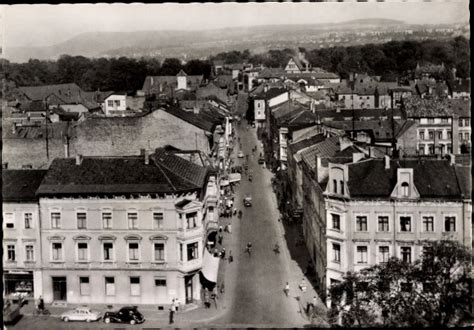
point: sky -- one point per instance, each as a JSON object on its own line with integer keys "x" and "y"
{"x": 41, "y": 25}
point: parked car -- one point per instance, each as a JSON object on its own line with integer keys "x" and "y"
{"x": 248, "y": 201}
{"x": 128, "y": 314}
{"x": 240, "y": 154}
{"x": 11, "y": 311}
{"x": 81, "y": 314}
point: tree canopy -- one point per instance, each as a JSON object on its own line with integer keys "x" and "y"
{"x": 432, "y": 291}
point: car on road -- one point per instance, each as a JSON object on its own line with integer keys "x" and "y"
{"x": 248, "y": 201}
{"x": 11, "y": 310}
{"x": 240, "y": 154}
{"x": 81, "y": 314}
{"x": 128, "y": 314}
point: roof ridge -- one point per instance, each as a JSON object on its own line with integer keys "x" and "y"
{"x": 172, "y": 171}
{"x": 159, "y": 167}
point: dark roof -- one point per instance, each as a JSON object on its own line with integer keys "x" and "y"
{"x": 319, "y": 74}
{"x": 297, "y": 146}
{"x": 359, "y": 114}
{"x": 152, "y": 83}
{"x": 57, "y": 130}
{"x": 464, "y": 176}
{"x": 271, "y": 93}
{"x": 268, "y": 73}
{"x": 192, "y": 118}
{"x": 165, "y": 173}
{"x": 462, "y": 85}
{"x": 416, "y": 107}
{"x": 432, "y": 178}
{"x": 21, "y": 185}
{"x": 326, "y": 148}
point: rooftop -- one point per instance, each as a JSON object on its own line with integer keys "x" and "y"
{"x": 432, "y": 178}
{"x": 21, "y": 185}
{"x": 326, "y": 148}
{"x": 436, "y": 107}
{"x": 165, "y": 173}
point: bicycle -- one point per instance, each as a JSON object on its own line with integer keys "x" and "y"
{"x": 39, "y": 311}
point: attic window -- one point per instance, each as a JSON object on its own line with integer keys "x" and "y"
{"x": 405, "y": 189}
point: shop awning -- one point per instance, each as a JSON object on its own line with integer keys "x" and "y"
{"x": 210, "y": 267}
{"x": 234, "y": 177}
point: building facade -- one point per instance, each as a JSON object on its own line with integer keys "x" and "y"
{"x": 389, "y": 211}
{"x": 129, "y": 237}
{"x": 22, "y": 272}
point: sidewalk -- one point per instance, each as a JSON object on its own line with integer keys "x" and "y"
{"x": 187, "y": 314}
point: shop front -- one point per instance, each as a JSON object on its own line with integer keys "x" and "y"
{"x": 18, "y": 284}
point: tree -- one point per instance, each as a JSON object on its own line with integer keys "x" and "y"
{"x": 170, "y": 67}
{"x": 432, "y": 291}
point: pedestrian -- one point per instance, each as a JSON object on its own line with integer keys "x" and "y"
{"x": 40, "y": 304}
{"x": 229, "y": 228}
{"x": 231, "y": 258}
{"x": 172, "y": 311}
{"x": 223, "y": 253}
{"x": 222, "y": 289}
{"x": 220, "y": 238}
{"x": 176, "y": 304}
{"x": 216, "y": 252}
{"x": 226, "y": 228}
{"x": 220, "y": 229}
{"x": 303, "y": 285}
{"x": 287, "y": 289}
{"x": 214, "y": 298}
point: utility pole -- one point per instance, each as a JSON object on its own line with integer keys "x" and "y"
{"x": 352, "y": 97}
{"x": 45, "y": 104}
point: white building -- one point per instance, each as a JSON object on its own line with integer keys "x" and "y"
{"x": 114, "y": 104}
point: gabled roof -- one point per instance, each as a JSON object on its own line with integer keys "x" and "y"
{"x": 192, "y": 118}
{"x": 271, "y": 93}
{"x": 268, "y": 73}
{"x": 165, "y": 173}
{"x": 326, "y": 148}
{"x": 297, "y": 62}
{"x": 464, "y": 177}
{"x": 57, "y": 131}
{"x": 297, "y": 146}
{"x": 167, "y": 82}
{"x": 319, "y": 74}
{"x": 21, "y": 185}
{"x": 432, "y": 178}
{"x": 39, "y": 93}
{"x": 298, "y": 117}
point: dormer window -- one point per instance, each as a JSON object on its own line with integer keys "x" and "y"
{"x": 405, "y": 190}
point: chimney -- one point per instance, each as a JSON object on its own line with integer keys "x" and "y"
{"x": 78, "y": 159}
{"x": 196, "y": 109}
{"x": 265, "y": 88}
{"x": 356, "y": 156}
{"x": 387, "y": 162}
{"x": 147, "y": 158}
{"x": 452, "y": 159}
{"x": 4, "y": 166}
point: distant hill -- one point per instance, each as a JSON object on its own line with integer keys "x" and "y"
{"x": 184, "y": 44}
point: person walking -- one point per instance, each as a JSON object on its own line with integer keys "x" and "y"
{"x": 172, "y": 311}
{"x": 220, "y": 238}
{"x": 214, "y": 298}
{"x": 249, "y": 248}
{"x": 303, "y": 285}
{"x": 287, "y": 289}
{"x": 223, "y": 253}
{"x": 231, "y": 258}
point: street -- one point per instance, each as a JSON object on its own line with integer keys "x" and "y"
{"x": 254, "y": 295}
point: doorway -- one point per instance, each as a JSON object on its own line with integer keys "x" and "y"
{"x": 188, "y": 285}
{"x": 59, "y": 289}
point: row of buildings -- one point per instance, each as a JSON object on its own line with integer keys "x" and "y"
{"x": 112, "y": 230}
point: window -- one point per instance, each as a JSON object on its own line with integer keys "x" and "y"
{"x": 133, "y": 252}
{"x": 430, "y": 135}
{"x": 192, "y": 251}
{"x": 135, "y": 286}
{"x": 383, "y": 223}
{"x": 406, "y": 254}
{"x": 336, "y": 221}
{"x": 405, "y": 223}
{"x": 85, "y": 289}
{"x": 9, "y": 220}
{"x": 57, "y": 251}
{"x": 384, "y": 253}
{"x": 117, "y": 103}
{"x": 422, "y": 135}
{"x": 159, "y": 252}
{"x": 431, "y": 149}
{"x": 110, "y": 286}
{"x": 82, "y": 251}
{"x": 107, "y": 220}
{"x": 444, "y": 120}
{"x": 55, "y": 220}
{"x": 157, "y": 220}
{"x": 460, "y": 136}
{"x": 449, "y": 149}
{"x": 181, "y": 252}
{"x": 132, "y": 220}
{"x": 341, "y": 183}
{"x": 160, "y": 282}
{"x": 440, "y": 135}
{"x": 449, "y": 134}
{"x": 334, "y": 186}
{"x": 11, "y": 253}
{"x": 30, "y": 254}
{"x": 191, "y": 220}
{"x": 81, "y": 220}
{"x": 110, "y": 103}
{"x": 428, "y": 223}
{"x": 460, "y": 122}
{"x": 421, "y": 149}
{"x": 362, "y": 254}
{"x": 449, "y": 224}
{"x": 430, "y": 120}
{"x": 108, "y": 251}
{"x": 361, "y": 223}
{"x": 336, "y": 249}
{"x": 466, "y": 136}
{"x": 28, "y": 220}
